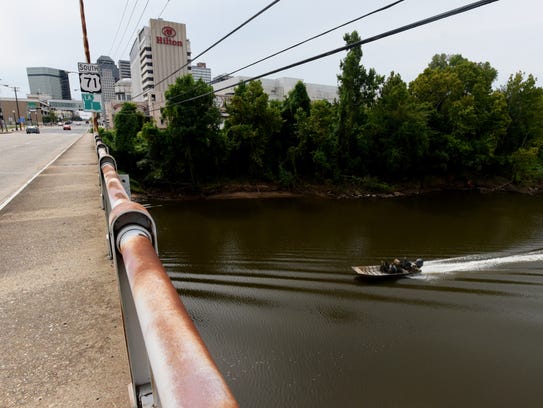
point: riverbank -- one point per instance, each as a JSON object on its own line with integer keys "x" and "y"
{"x": 347, "y": 190}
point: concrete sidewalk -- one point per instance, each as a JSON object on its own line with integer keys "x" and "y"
{"x": 61, "y": 332}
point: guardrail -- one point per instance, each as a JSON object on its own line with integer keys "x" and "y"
{"x": 170, "y": 365}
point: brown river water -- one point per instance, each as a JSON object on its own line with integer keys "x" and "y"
{"x": 270, "y": 287}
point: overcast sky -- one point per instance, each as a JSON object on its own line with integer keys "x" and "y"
{"x": 507, "y": 34}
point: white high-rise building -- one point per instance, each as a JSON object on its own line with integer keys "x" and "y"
{"x": 277, "y": 89}
{"x": 159, "y": 55}
{"x": 201, "y": 71}
{"x": 124, "y": 69}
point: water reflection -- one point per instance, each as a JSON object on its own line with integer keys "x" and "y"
{"x": 270, "y": 288}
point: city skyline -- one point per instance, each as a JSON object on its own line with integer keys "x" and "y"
{"x": 498, "y": 33}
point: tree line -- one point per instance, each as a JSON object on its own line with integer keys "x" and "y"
{"x": 447, "y": 124}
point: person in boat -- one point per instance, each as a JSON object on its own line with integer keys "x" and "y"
{"x": 398, "y": 266}
{"x": 394, "y": 267}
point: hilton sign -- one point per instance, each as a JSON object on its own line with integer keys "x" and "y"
{"x": 168, "y": 33}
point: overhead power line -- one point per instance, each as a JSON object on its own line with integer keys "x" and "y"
{"x": 348, "y": 47}
{"x": 303, "y": 42}
{"x": 314, "y": 37}
{"x": 119, "y": 27}
{"x": 219, "y": 41}
{"x": 135, "y": 28}
{"x": 164, "y": 8}
{"x": 126, "y": 27}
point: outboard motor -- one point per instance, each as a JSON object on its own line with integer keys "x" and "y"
{"x": 419, "y": 263}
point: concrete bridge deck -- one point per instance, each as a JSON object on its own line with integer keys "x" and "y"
{"x": 61, "y": 333}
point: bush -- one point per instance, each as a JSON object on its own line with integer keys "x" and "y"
{"x": 526, "y": 165}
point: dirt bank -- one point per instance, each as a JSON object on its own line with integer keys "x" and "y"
{"x": 230, "y": 191}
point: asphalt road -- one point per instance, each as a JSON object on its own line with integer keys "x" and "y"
{"x": 23, "y": 156}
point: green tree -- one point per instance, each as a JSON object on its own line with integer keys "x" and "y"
{"x": 127, "y": 146}
{"x": 316, "y": 152}
{"x": 297, "y": 99}
{"x": 397, "y": 132}
{"x": 527, "y": 165}
{"x": 467, "y": 116}
{"x": 521, "y": 148}
{"x": 525, "y": 107}
{"x": 358, "y": 90}
{"x": 250, "y": 128}
{"x": 194, "y": 145}
{"x": 151, "y": 164}
{"x": 284, "y": 145}
{"x": 51, "y": 117}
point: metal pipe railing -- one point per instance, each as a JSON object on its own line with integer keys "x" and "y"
{"x": 184, "y": 372}
{"x": 170, "y": 365}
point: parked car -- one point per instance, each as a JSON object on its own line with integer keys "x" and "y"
{"x": 32, "y": 129}
{"x": 66, "y": 127}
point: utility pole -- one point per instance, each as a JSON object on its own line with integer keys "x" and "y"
{"x": 87, "y": 54}
{"x": 17, "y": 104}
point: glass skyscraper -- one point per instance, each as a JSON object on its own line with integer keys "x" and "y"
{"x": 49, "y": 81}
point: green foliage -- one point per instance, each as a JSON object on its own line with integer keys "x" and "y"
{"x": 449, "y": 123}
{"x": 316, "y": 152}
{"x": 124, "y": 142}
{"x": 524, "y": 103}
{"x": 128, "y": 122}
{"x": 194, "y": 146}
{"x": 397, "y": 134}
{"x": 250, "y": 129}
{"x": 108, "y": 137}
{"x": 297, "y": 101}
{"x": 358, "y": 90}
{"x": 527, "y": 165}
{"x": 375, "y": 185}
{"x": 51, "y": 117}
{"x": 151, "y": 165}
{"x": 467, "y": 118}
{"x": 286, "y": 178}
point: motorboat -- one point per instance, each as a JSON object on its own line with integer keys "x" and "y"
{"x": 389, "y": 270}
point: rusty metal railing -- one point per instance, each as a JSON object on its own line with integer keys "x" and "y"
{"x": 170, "y": 365}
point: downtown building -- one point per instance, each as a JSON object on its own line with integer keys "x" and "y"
{"x": 277, "y": 89}
{"x": 201, "y": 71}
{"x": 124, "y": 69}
{"x": 160, "y": 54}
{"x": 49, "y": 81}
{"x": 109, "y": 75}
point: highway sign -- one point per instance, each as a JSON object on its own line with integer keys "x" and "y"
{"x": 89, "y": 78}
{"x": 90, "y": 83}
{"x": 83, "y": 67}
{"x": 91, "y": 102}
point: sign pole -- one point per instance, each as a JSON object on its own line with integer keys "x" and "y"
{"x": 87, "y": 55}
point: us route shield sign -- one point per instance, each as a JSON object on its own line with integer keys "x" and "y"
{"x": 89, "y": 78}
{"x": 91, "y": 86}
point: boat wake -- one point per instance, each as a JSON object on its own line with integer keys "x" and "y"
{"x": 478, "y": 262}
